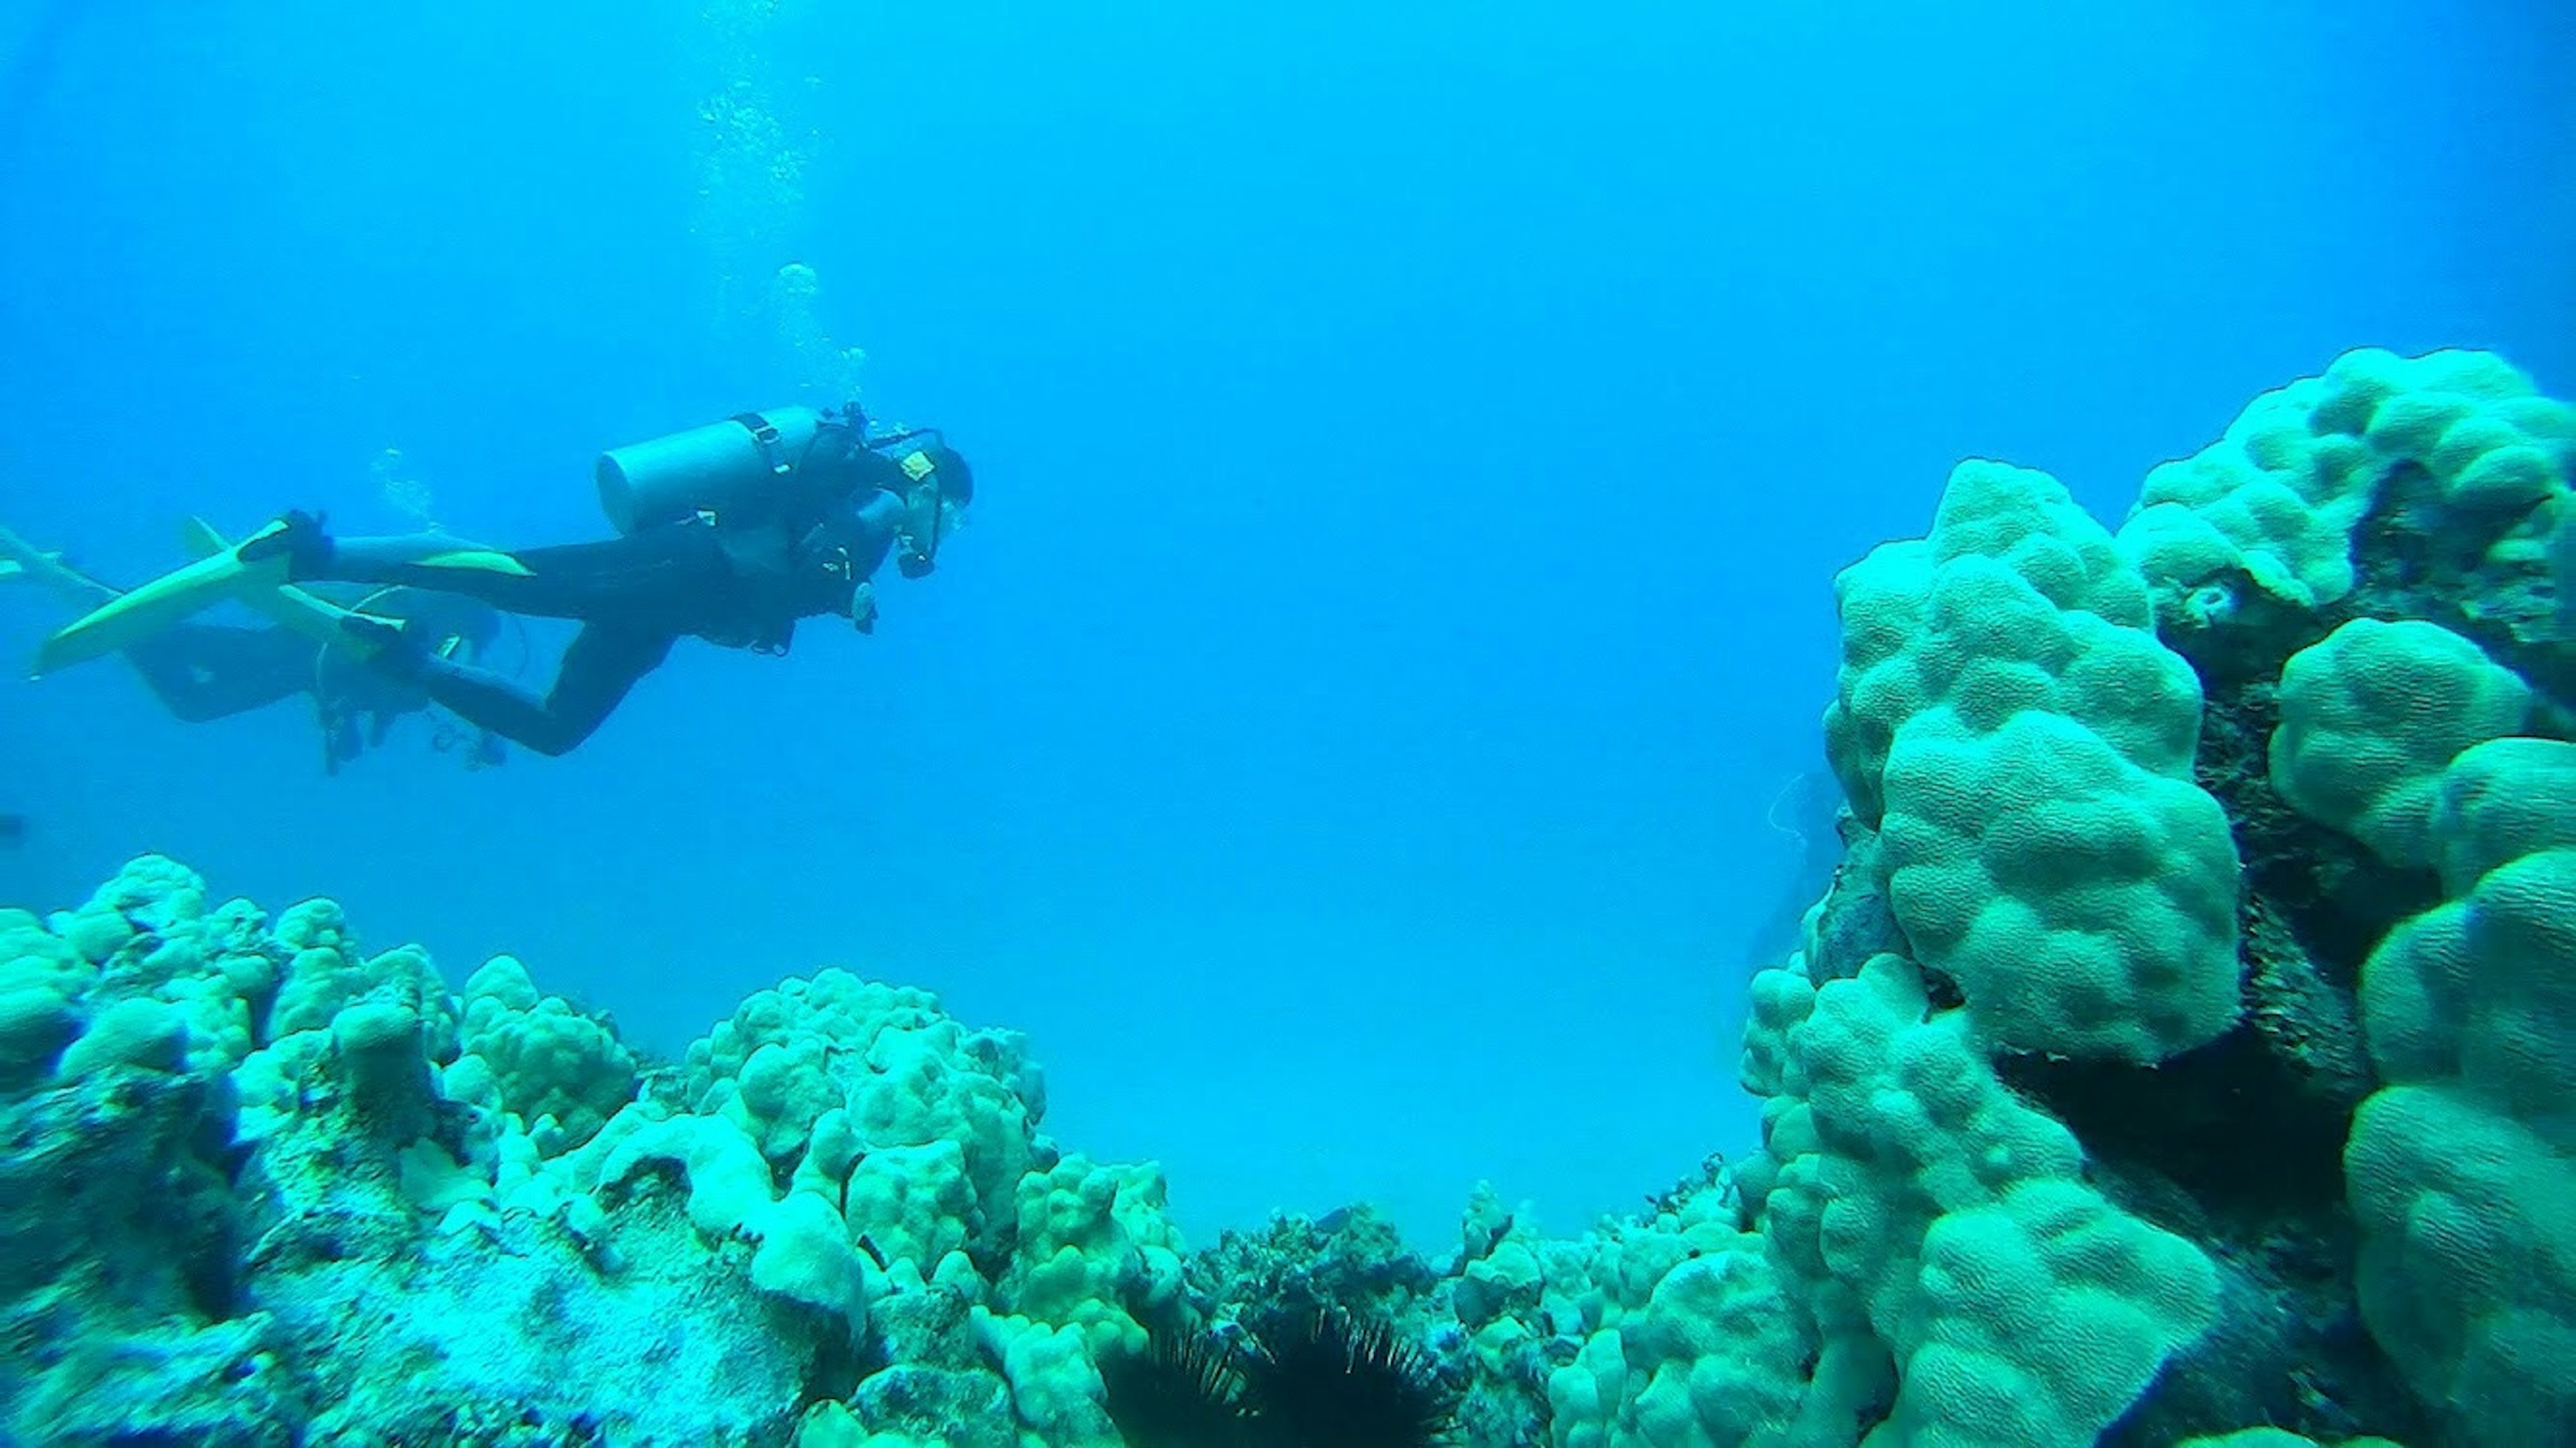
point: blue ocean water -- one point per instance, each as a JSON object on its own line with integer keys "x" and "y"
{"x": 1413, "y": 450}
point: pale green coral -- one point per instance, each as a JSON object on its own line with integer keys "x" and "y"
{"x": 911, "y": 1143}
{"x": 326, "y": 971}
{"x": 2015, "y": 601}
{"x": 852, "y": 1144}
{"x": 2497, "y": 802}
{"x": 270, "y": 1084}
{"x": 2471, "y": 420}
{"x": 324, "y": 968}
{"x": 138, "y": 1031}
{"x": 801, "y": 1250}
{"x": 1094, "y": 1250}
{"x": 2084, "y": 906}
{"x": 563, "y": 1072}
{"x": 2272, "y": 503}
{"x": 2460, "y": 1169}
{"x": 1710, "y": 1358}
{"x": 830, "y": 1424}
{"x": 152, "y": 935}
{"x": 1932, "y": 1220}
{"x": 2372, "y": 714}
{"x": 902, "y": 1073}
{"x": 2281, "y": 1439}
{"x": 2041, "y": 1318}
{"x": 1055, "y": 1390}
{"x": 911, "y": 1204}
{"x": 1625, "y": 1261}
{"x": 2271, "y": 507}
{"x": 1504, "y": 1282}
{"x": 150, "y": 895}
{"x": 2005, "y": 712}
{"x": 42, "y": 982}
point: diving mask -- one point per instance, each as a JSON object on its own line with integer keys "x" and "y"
{"x": 927, "y": 518}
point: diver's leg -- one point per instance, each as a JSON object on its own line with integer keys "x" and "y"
{"x": 599, "y": 667}
{"x": 211, "y": 671}
{"x": 659, "y": 573}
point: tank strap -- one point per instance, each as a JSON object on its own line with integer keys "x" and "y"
{"x": 764, "y": 436}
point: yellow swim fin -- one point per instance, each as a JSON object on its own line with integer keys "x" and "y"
{"x": 139, "y": 613}
{"x": 24, "y": 561}
{"x": 286, "y": 605}
{"x": 201, "y": 540}
{"x": 475, "y": 560}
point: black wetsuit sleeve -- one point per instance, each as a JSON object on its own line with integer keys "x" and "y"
{"x": 602, "y": 663}
{"x": 203, "y": 671}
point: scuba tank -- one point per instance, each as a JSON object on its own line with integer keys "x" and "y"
{"x": 712, "y": 469}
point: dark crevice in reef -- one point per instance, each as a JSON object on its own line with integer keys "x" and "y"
{"x": 2332, "y": 897}
{"x": 842, "y": 1358}
{"x": 2228, "y": 1124}
{"x": 2259, "y": 633}
{"x": 2312, "y": 905}
{"x": 2238, "y": 1145}
{"x": 2414, "y": 555}
{"x": 2287, "y": 1348}
{"x": 2418, "y": 555}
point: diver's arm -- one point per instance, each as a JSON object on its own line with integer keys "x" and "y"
{"x": 834, "y": 560}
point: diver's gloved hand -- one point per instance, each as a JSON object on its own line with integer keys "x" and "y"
{"x": 384, "y": 643}
{"x": 299, "y": 536}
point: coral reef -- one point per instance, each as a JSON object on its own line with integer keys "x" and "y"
{"x": 2187, "y": 1048}
{"x": 265, "y": 1187}
{"x": 2184, "y": 1053}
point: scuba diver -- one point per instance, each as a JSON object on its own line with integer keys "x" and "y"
{"x": 1807, "y": 809}
{"x": 732, "y": 532}
{"x": 205, "y": 671}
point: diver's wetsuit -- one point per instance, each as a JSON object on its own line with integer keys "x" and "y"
{"x": 1808, "y": 809}
{"x": 634, "y": 596}
{"x": 202, "y": 672}
{"x": 207, "y": 671}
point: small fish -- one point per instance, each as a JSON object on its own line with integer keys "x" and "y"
{"x": 13, "y": 829}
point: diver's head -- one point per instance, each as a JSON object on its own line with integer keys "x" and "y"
{"x": 937, "y": 487}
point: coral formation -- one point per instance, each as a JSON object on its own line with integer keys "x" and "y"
{"x": 2184, "y": 1053}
